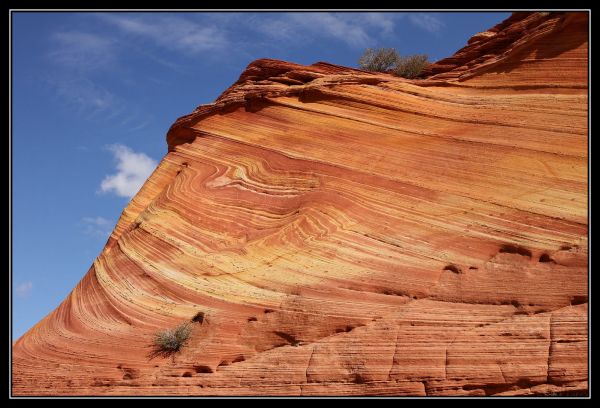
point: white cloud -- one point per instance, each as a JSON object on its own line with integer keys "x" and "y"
{"x": 132, "y": 171}
{"x": 76, "y": 57}
{"x": 91, "y": 101}
{"x": 100, "y": 221}
{"x": 171, "y": 32}
{"x": 383, "y": 21}
{"x": 273, "y": 27}
{"x": 428, "y": 22}
{"x": 24, "y": 289}
{"x": 83, "y": 95}
{"x": 356, "y": 30}
{"x": 96, "y": 226}
{"x": 81, "y": 51}
{"x": 335, "y": 26}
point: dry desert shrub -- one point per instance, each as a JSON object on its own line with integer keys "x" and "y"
{"x": 378, "y": 59}
{"x": 171, "y": 340}
{"x": 411, "y": 66}
{"x": 388, "y": 59}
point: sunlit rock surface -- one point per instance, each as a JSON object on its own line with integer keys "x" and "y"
{"x": 351, "y": 233}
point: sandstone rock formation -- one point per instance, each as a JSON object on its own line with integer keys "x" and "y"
{"x": 352, "y": 233}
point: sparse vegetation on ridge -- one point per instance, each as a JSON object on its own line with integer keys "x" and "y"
{"x": 378, "y": 59}
{"x": 411, "y": 66}
{"x": 389, "y": 60}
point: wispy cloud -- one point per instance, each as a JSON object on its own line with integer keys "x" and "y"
{"x": 78, "y": 61}
{"x": 384, "y": 21}
{"x": 81, "y": 51}
{"x": 426, "y": 21}
{"x": 96, "y": 226}
{"x": 334, "y": 26}
{"x": 144, "y": 52}
{"x": 132, "y": 171}
{"x": 84, "y": 96}
{"x": 24, "y": 289}
{"x": 75, "y": 57}
{"x": 171, "y": 32}
{"x": 90, "y": 100}
{"x": 356, "y": 30}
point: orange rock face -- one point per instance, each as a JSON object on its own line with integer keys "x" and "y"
{"x": 352, "y": 233}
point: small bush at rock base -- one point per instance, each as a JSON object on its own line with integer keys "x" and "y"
{"x": 171, "y": 340}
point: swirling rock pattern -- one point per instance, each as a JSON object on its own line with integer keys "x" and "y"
{"x": 352, "y": 233}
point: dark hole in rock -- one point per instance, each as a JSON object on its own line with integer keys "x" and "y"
{"x": 524, "y": 382}
{"x": 198, "y": 317}
{"x": 452, "y": 268}
{"x": 202, "y": 369}
{"x": 252, "y": 319}
{"x": 187, "y": 374}
{"x": 545, "y": 258}
{"x": 578, "y": 300}
{"x": 130, "y": 373}
{"x": 239, "y": 359}
{"x": 514, "y": 249}
{"x": 521, "y": 312}
{"x": 392, "y": 292}
{"x": 288, "y": 337}
{"x": 223, "y": 363}
{"x": 269, "y": 311}
{"x": 515, "y": 303}
{"x": 359, "y": 379}
{"x": 565, "y": 248}
{"x": 473, "y": 268}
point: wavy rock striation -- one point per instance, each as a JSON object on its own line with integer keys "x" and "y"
{"x": 352, "y": 233}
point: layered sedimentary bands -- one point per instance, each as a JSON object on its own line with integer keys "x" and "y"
{"x": 352, "y": 233}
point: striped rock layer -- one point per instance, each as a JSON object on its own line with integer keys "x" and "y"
{"x": 340, "y": 232}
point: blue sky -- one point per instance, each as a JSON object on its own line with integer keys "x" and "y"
{"x": 94, "y": 94}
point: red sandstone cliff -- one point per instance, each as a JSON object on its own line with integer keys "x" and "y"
{"x": 351, "y": 233}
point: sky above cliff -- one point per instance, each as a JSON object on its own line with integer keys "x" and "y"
{"x": 93, "y": 95}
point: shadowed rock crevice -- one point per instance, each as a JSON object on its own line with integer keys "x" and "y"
{"x": 452, "y": 268}
{"x": 514, "y": 249}
{"x": 288, "y": 337}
